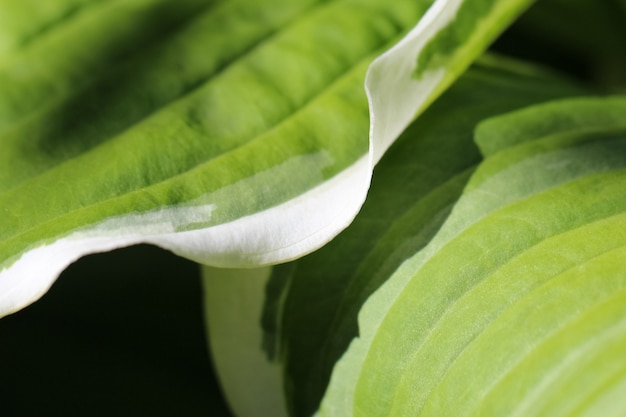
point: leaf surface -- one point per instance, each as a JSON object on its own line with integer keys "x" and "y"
{"x": 210, "y": 129}
{"x": 518, "y": 282}
{"x": 233, "y": 133}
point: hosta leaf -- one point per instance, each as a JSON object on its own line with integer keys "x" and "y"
{"x": 311, "y": 305}
{"x": 186, "y": 138}
{"x": 22, "y": 21}
{"x": 230, "y": 132}
{"x": 516, "y": 296}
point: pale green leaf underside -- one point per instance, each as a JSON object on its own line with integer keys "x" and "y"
{"x": 516, "y": 307}
{"x": 233, "y": 300}
{"x": 231, "y": 132}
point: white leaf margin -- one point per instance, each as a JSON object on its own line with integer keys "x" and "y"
{"x": 395, "y": 96}
{"x": 279, "y": 234}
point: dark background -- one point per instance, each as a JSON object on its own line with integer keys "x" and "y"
{"x": 119, "y": 334}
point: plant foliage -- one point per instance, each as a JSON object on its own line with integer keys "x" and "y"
{"x": 385, "y": 232}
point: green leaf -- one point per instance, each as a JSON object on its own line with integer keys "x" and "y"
{"x": 230, "y": 132}
{"x": 311, "y": 304}
{"x": 521, "y": 289}
{"x": 210, "y": 129}
{"x": 22, "y": 21}
{"x": 558, "y": 118}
